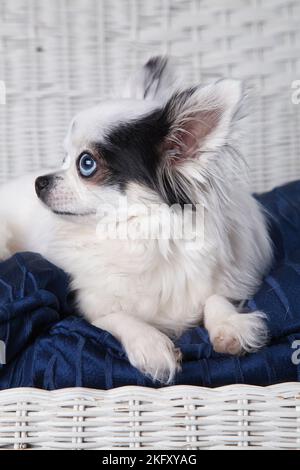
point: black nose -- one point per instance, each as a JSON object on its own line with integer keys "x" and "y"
{"x": 41, "y": 184}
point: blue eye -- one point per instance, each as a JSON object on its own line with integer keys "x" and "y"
{"x": 87, "y": 165}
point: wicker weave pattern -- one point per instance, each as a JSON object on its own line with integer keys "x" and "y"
{"x": 59, "y": 57}
{"x": 179, "y": 417}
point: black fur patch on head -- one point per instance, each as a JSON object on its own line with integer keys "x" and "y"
{"x": 131, "y": 150}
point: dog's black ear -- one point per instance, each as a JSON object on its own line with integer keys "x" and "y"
{"x": 155, "y": 80}
{"x": 201, "y": 118}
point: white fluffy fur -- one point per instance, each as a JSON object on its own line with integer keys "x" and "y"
{"x": 144, "y": 291}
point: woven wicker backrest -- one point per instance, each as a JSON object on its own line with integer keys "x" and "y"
{"x": 59, "y": 56}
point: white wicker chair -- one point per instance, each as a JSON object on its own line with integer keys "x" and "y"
{"x": 58, "y": 57}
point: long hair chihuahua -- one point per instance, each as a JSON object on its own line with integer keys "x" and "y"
{"x": 168, "y": 149}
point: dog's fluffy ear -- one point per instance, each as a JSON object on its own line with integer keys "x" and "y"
{"x": 155, "y": 81}
{"x": 201, "y": 118}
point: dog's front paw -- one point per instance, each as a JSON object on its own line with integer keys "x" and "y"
{"x": 155, "y": 356}
{"x": 240, "y": 333}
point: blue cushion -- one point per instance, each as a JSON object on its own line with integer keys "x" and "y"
{"x": 50, "y": 347}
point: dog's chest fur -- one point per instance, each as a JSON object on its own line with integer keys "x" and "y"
{"x": 134, "y": 277}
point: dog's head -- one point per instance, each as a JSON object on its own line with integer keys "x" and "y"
{"x": 154, "y": 143}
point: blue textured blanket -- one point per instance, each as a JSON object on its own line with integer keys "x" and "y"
{"x": 49, "y": 347}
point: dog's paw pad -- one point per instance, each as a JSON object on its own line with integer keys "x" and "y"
{"x": 225, "y": 342}
{"x": 239, "y": 334}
